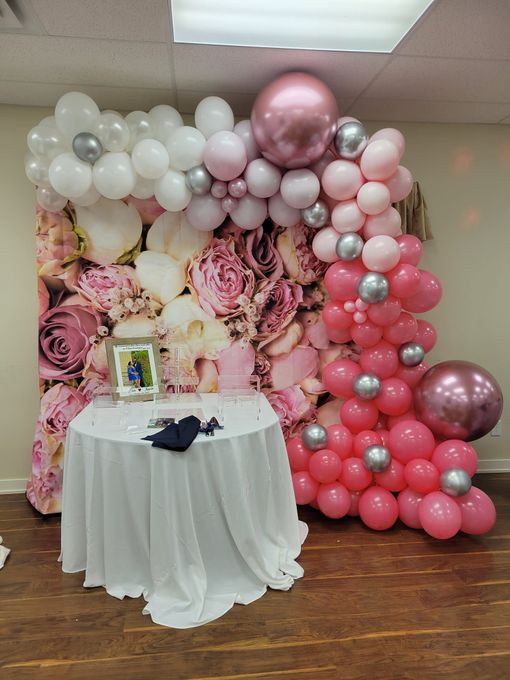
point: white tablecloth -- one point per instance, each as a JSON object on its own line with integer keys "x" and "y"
{"x": 192, "y": 532}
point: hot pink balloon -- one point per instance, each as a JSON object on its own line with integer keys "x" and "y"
{"x": 300, "y": 188}
{"x": 454, "y": 453}
{"x": 439, "y": 515}
{"x": 386, "y": 312}
{"x": 393, "y": 420}
{"x": 380, "y": 254}
{"x": 411, "y": 439}
{"x": 205, "y": 212}
{"x": 411, "y": 249}
{"x": 354, "y": 507}
{"x": 338, "y": 335}
{"x": 262, "y": 178}
{"x": 478, "y": 514}
{"x": 426, "y": 335}
{"x": 378, "y": 508}
{"x": 395, "y": 397}
{"x": 355, "y": 475}
{"x": 250, "y": 212}
{"x": 380, "y": 160}
{"x": 333, "y": 500}
{"x": 386, "y": 223}
{"x": 340, "y": 440}
{"x": 358, "y": 415}
{"x": 392, "y": 479}
{"x": 383, "y": 433}
{"x": 399, "y": 184}
{"x": 391, "y": 135}
{"x": 325, "y": 466}
{"x": 324, "y": 245}
{"x": 412, "y": 374}
{"x": 403, "y": 330}
{"x": 305, "y": 487}
{"x": 283, "y": 215}
{"x": 404, "y": 280}
{"x": 338, "y": 376}
{"x": 381, "y": 359}
{"x": 408, "y": 504}
{"x": 364, "y": 439}
{"x": 341, "y": 279}
{"x": 225, "y": 155}
{"x": 334, "y": 315}
{"x": 342, "y": 180}
{"x": 373, "y": 198}
{"x": 346, "y": 216}
{"x": 428, "y": 296}
{"x": 299, "y": 455}
{"x": 421, "y": 475}
{"x": 294, "y": 120}
{"x": 366, "y": 334}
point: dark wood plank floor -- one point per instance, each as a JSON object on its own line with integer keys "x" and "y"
{"x": 396, "y": 604}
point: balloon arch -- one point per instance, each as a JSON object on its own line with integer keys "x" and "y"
{"x": 399, "y": 445}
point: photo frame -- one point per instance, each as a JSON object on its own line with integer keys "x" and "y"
{"x": 134, "y": 368}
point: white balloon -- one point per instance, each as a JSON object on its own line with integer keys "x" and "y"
{"x": 171, "y": 191}
{"x": 45, "y": 142}
{"x": 212, "y": 115}
{"x": 70, "y": 176}
{"x": 262, "y": 178}
{"x": 49, "y": 121}
{"x": 48, "y": 199}
{"x": 281, "y": 213}
{"x": 140, "y": 127}
{"x": 114, "y": 175}
{"x": 144, "y": 188}
{"x": 165, "y": 119}
{"x": 112, "y": 131}
{"x": 36, "y": 169}
{"x": 88, "y": 198}
{"x": 76, "y": 112}
{"x": 185, "y": 147}
{"x": 150, "y": 158}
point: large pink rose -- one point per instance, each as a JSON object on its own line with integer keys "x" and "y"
{"x": 90, "y": 387}
{"x": 101, "y": 285}
{"x": 43, "y": 448}
{"x": 44, "y": 490}
{"x": 261, "y": 255}
{"x": 295, "y": 247}
{"x": 222, "y": 283}
{"x": 64, "y": 341}
{"x": 278, "y": 302}
{"x": 58, "y": 243}
{"x": 293, "y": 409}
{"x": 59, "y": 405}
{"x": 44, "y": 296}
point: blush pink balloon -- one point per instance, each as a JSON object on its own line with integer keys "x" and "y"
{"x": 381, "y": 359}
{"x": 412, "y": 374}
{"x": 340, "y": 440}
{"x": 411, "y": 439}
{"x": 478, "y": 514}
{"x": 386, "y": 223}
{"x": 294, "y": 120}
{"x": 299, "y": 455}
{"x": 219, "y": 189}
{"x": 421, "y": 475}
{"x": 399, "y": 184}
{"x": 380, "y": 160}
{"x": 392, "y": 479}
{"x": 347, "y": 216}
{"x": 439, "y": 515}
{"x": 373, "y": 198}
{"x": 455, "y": 453}
{"x": 395, "y": 397}
{"x": 334, "y": 315}
{"x": 386, "y": 312}
{"x": 341, "y": 279}
{"x": 354, "y": 507}
{"x": 426, "y": 335}
{"x": 228, "y": 204}
{"x": 358, "y": 415}
{"x": 378, "y": 508}
{"x": 366, "y": 334}
{"x": 355, "y": 475}
{"x": 364, "y": 439}
{"x": 225, "y": 155}
{"x": 428, "y": 296}
{"x": 338, "y": 375}
{"x": 411, "y": 249}
{"x": 342, "y": 180}
{"x": 305, "y": 487}
{"x": 380, "y": 254}
{"x": 325, "y": 466}
{"x": 250, "y": 212}
{"x": 403, "y": 330}
{"x": 408, "y": 504}
{"x": 404, "y": 280}
{"x": 237, "y": 187}
{"x": 300, "y": 188}
{"x": 391, "y": 135}
{"x": 324, "y": 245}
{"x": 205, "y": 212}
{"x": 282, "y": 214}
{"x": 244, "y": 130}
{"x": 262, "y": 178}
{"x": 333, "y": 500}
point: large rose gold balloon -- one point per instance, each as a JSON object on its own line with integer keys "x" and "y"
{"x": 294, "y": 119}
{"x": 458, "y": 400}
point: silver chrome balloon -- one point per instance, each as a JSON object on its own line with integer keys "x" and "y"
{"x": 316, "y": 215}
{"x": 376, "y": 458}
{"x": 349, "y": 246}
{"x": 366, "y": 386}
{"x": 315, "y": 437}
{"x": 87, "y": 147}
{"x": 411, "y": 353}
{"x": 199, "y": 180}
{"x": 373, "y": 287}
{"x": 351, "y": 140}
{"x": 455, "y": 482}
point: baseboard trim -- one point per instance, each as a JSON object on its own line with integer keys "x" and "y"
{"x": 494, "y": 465}
{"x": 13, "y": 485}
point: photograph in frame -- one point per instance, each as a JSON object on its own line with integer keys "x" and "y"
{"x": 134, "y": 367}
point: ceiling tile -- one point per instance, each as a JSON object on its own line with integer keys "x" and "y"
{"x": 84, "y": 61}
{"x": 442, "y": 79}
{"x": 113, "y": 19}
{"x": 474, "y": 29}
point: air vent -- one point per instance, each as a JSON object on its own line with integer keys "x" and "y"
{"x": 18, "y": 16}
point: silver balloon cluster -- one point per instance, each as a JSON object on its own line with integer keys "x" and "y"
{"x": 315, "y": 437}
{"x": 376, "y": 458}
{"x": 455, "y": 482}
{"x": 198, "y": 180}
{"x": 366, "y": 386}
{"x": 411, "y": 354}
{"x": 87, "y": 147}
{"x": 349, "y": 246}
{"x": 351, "y": 140}
{"x": 373, "y": 287}
{"x": 316, "y": 215}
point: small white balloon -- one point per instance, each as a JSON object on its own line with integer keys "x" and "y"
{"x": 262, "y": 178}
{"x": 112, "y": 131}
{"x": 150, "y": 158}
{"x": 45, "y": 141}
{"x": 171, "y": 191}
{"x": 114, "y": 175}
{"x": 144, "y": 188}
{"x": 165, "y": 119}
{"x": 212, "y": 115}
{"x": 49, "y": 199}
{"x": 185, "y": 147}
{"x": 70, "y": 176}
{"x": 140, "y": 127}
{"x": 36, "y": 169}
{"x": 76, "y": 112}
{"x": 88, "y": 198}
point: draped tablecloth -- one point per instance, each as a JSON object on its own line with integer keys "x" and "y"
{"x": 192, "y": 532}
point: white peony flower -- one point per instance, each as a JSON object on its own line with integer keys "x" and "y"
{"x": 161, "y": 275}
{"x": 172, "y": 234}
{"x": 135, "y": 326}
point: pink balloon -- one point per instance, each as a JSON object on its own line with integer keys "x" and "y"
{"x": 393, "y": 420}
{"x": 358, "y": 415}
{"x": 392, "y": 479}
{"x": 250, "y": 212}
{"x": 325, "y": 466}
{"x": 386, "y": 312}
{"x": 454, "y": 453}
{"x": 378, "y": 508}
{"x": 324, "y": 245}
{"x": 399, "y": 184}
{"x": 237, "y": 187}
{"x": 421, "y": 475}
{"x": 205, "y": 212}
{"x": 428, "y": 296}
{"x": 408, "y": 504}
{"x": 244, "y": 130}
{"x": 300, "y": 188}
{"x": 346, "y": 216}
{"x": 338, "y": 335}
{"x": 341, "y": 279}
{"x": 340, "y": 440}
{"x": 439, "y": 515}
{"x": 354, "y": 507}
{"x": 380, "y": 160}
{"x": 229, "y": 204}
{"x": 380, "y": 254}
{"x": 411, "y": 249}
{"x": 395, "y": 397}
{"x": 305, "y": 487}
{"x": 283, "y": 215}
{"x": 299, "y": 455}
{"x": 364, "y": 439}
{"x": 342, "y": 179}
{"x": 355, "y": 475}
{"x": 411, "y": 439}
{"x": 381, "y": 359}
{"x": 262, "y": 178}
{"x": 412, "y": 374}
{"x": 359, "y": 317}
{"x": 384, "y": 435}
{"x": 403, "y": 330}
{"x": 391, "y": 135}
{"x": 338, "y": 376}
{"x": 219, "y": 189}
{"x": 333, "y": 500}
{"x": 225, "y": 155}
{"x": 319, "y": 166}
{"x": 334, "y": 315}
{"x": 386, "y": 223}
{"x": 426, "y": 335}
{"x": 366, "y": 334}
{"x": 404, "y": 280}
{"x": 294, "y": 119}
{"x": 373, "y": 198}
{"x": 477, "y": 510}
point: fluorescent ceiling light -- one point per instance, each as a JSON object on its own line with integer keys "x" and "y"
{"x": 337, "y": 25}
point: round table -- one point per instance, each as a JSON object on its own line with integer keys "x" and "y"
{"x": 193, "y": 532}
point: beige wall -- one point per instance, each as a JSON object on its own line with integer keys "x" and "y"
{"x": 464, "y": 171}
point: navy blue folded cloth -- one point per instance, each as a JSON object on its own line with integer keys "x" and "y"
{"x": 177, "y": 436}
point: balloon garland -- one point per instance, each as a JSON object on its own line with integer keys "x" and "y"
{"x": 400, "y": 449}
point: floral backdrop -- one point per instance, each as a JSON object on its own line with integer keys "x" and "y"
{"x": 237, "y": 301}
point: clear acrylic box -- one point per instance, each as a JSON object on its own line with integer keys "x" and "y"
{"x": 238, "y": 396}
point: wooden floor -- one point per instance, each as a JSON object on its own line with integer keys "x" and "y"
{"x": 373, "y": 606}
